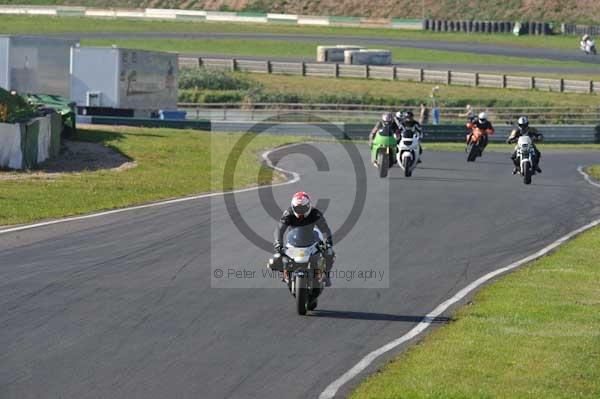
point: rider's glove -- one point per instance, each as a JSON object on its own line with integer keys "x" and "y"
{"x": 329, "y": 242}
{"x": 278, "y": 248}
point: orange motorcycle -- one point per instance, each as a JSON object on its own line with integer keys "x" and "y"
{"x": 476, "y": 141}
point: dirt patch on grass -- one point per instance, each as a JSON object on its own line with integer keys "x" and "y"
{"x": 76, "y": 157}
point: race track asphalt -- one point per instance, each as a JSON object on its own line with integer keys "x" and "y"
{"x": 121, "y": 306}
{"x": 466, "y": 47}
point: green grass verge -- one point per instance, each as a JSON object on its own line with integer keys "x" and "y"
{"x": 280, "y": 48}
{"x": 171, "y": 163}
{"x": 594, "y": 171}
{"x": 42, "y": 24}
{"x": 412, "y": 93}
{"x": 532, "y": 334}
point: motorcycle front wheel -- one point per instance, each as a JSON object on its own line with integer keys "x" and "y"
{"x": 406, "y": 163}
{"x": 471, "y": 153}
{"x": 383, "y": 162}
{"x": 301, "y": 295}
{"x": 527, "y": 174}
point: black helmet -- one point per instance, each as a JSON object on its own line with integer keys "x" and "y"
{"x": 409, "y": 115}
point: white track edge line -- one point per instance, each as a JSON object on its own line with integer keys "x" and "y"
{"x": 587, "y": 177}
{"x": 295, "y": 177}
{"x": 332, "y": 389}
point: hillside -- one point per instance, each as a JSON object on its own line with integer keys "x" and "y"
{"x": 581, "y": 11}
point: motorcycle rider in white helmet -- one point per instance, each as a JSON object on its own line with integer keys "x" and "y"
{"x": 387, "y": 125}
{"x": 483, "y": 124}
{"x": 525, "y": 130}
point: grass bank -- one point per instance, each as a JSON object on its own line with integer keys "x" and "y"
{"x": 594, "y": 171}
{"x": 171, "y": 163}
{"x": 293, "y": 89}
{"x": 44, "y": 24}
{"x": 533, "y": 333}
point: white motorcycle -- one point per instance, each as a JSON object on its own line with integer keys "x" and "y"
{"x": 588, "y": 47}
{"x": 525, "y": 158}
{"x": 408, "y": 150}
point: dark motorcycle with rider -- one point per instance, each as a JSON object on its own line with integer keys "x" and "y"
{"x": 306, "y": 256}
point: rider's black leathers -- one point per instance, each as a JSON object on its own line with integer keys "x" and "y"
{"x": 314, "y": 218}
{"x": 535, "y": 135}
{"x": 408, "y": 124}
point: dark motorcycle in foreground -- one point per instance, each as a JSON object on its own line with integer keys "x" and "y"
{"x": 303, "y": 264}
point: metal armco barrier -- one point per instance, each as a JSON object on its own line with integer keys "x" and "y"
{"x": 577, "y": 134}
{"x": 148, "y": 122}
{"x": 475, "y": 79}
{"x": 359, "y": 113}
{"x": 580, "y": 30}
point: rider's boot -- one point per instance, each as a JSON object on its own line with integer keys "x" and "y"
{"x": 286, "y": 278}
{"x": 513, "y": 158}
{"x": 328, "y": 265}
{"x": 536, "y": 165}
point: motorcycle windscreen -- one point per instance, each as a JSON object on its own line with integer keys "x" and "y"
{"x": 386, "y": 131}
{"x": 302, "y": 237}
{"x": 408, "y": 134}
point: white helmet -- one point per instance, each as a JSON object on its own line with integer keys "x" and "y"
{"x": 523, "y": 122}
{"x": 483, "y": 116}
{"x": 585, "y": 37}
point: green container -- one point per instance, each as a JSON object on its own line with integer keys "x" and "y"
{"x": 185, "y": 17}
{"x": 65, "y": 12}
{"x": 29, "y": 144}
{"x": 282, "y": 20}
{"x": 345, "y": 20}
{"x": 251, "y": 14}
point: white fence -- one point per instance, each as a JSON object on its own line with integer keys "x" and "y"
{"x": 201, "y": 15}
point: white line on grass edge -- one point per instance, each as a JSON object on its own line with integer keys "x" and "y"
{"x": 333, "y": 388}
{"x": 587, "y": 177}
{"x": 295, "y": 177}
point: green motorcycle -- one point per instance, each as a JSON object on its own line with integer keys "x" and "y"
{"x": 383, "y": 152}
